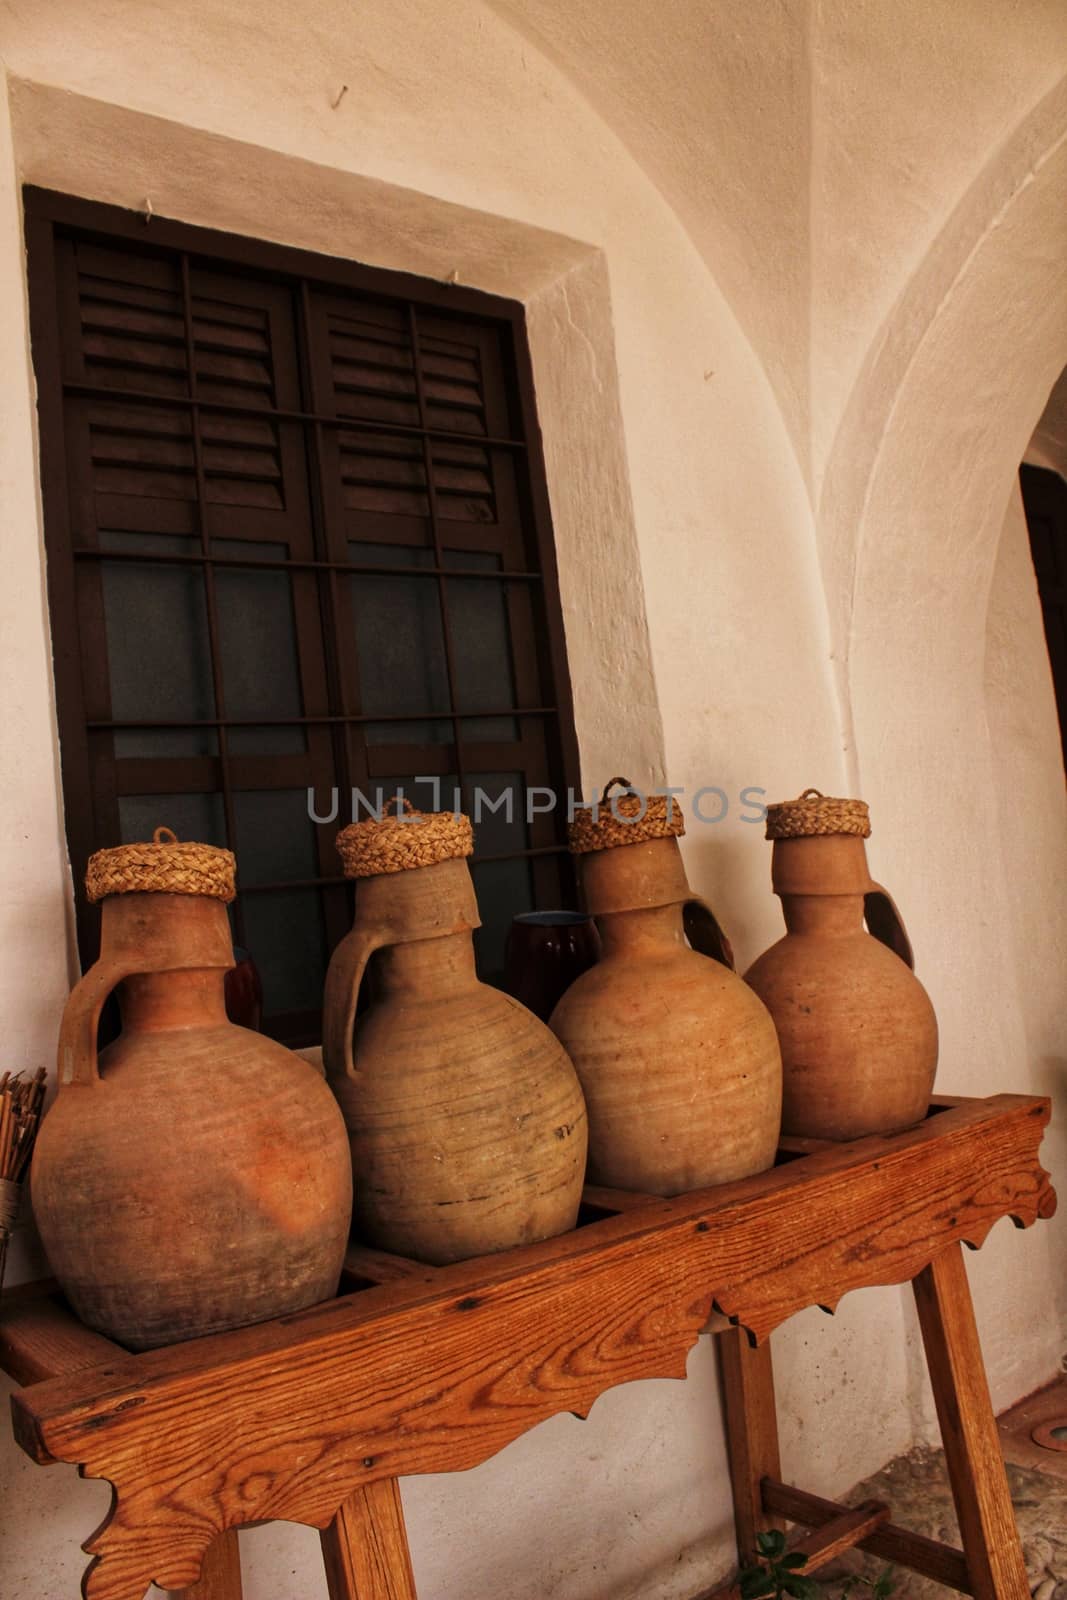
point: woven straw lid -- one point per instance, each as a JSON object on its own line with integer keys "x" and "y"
{"x": 626, "y": 818}
{"x": 813, "y": 815}
{"x": 401, "y": 843}
{"x": 166, "y": 866}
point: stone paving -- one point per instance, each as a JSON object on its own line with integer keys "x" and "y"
{"x": 917, "y": 1488}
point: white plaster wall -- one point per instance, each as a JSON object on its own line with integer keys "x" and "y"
{"x": 457, "y": 109}
{"x": 718, "y": 634}
{"x": 714, "y": 103}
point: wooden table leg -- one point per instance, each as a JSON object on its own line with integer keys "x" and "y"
{"x": 751, "y": 1434}
{"x": 220, "y": 1575}
{"x": 365, "y": 1548}
{"x": 969, "y": 1431}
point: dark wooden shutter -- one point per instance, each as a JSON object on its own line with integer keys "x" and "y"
{"x": 297, "y": 537}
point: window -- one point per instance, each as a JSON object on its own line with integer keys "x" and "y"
{"x": 298, "y": 539}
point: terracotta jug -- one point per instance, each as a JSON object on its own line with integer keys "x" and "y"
{"x": 678, "y": 1059}
{"x": 196, "y": 1176}
{"x": 858, "y": 1032}
{"x": 465, "y": 1116}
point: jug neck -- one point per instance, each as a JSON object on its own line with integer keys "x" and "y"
{"x": 427, "y": 969}
{"x": 832, "y": 916}
{"x": 645, "y": 932}
{"x": 165, "y": 933}
{"x": 833, "y": 864}
{"x": 634, "y": 877}
{"x": 424, "y": 903}
{"x": 157, "y": 1002}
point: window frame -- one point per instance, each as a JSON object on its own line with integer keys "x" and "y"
{"x": 48, "y": 215}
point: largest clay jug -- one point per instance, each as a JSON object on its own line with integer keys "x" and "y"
{"x": 196, "y": 1176}
{"x": 678, "y": 1059}
{"x": 466, "y": 1119}
{"x": 858, "y": 1032}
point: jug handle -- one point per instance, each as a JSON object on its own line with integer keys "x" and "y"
{"x": 76, "y": 1058}
{"x": 703, "y": 930}
{"x": 343, "y": 978}
{"x": 885, "y": 923}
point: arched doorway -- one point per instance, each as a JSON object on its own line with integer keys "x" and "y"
{"x": 935, "y": 676}
{"x": 1043, "y": 480}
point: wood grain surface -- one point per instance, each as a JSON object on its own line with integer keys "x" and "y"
{"x": 365, "y": 1548}
{"x": 751, "y": 1435}
{"x": 220, "y": 1573}
{"x": 969, "y": 1431}
{"x": 290, "y": 1418}
{"x": 898, "y": 1545}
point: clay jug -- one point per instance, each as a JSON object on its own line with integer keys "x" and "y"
{"x": 858, "y": 1032}
{"x": 465, "y": 1117}
{"x": 678, "y": 1059}
{"x": 196, "y": 1176}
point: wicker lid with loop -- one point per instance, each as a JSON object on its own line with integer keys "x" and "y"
{"x": 816, "y": 815}
{"x": 625, "y": 818}
{"x": 165, "y": 866}
{"x": 400, "y": 843}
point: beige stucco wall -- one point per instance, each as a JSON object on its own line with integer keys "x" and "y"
{"x": 763, "y": 253}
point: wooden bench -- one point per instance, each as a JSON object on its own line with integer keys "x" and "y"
{"x": 315, "y": 1417}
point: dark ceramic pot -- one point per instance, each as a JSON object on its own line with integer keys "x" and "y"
{"x": 244, "y": 991}
{"x": 546, "y": 951}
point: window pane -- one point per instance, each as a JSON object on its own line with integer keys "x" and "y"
{"x": 370, "y": 553}
{"x": 150, "y": 544}
{"x": 159, "y": 660}
{"x": 423, "y": 793}
{"x": 275, "y": 836}
{"x": 400, "y": 645}
{"x": 196, "y": 817}
{"x": 257, "y": 643}
{"x": 498, "y": 806}
{"x": 284, "y": 937}
{"x": 481, "y": 654}
{"x": 420, "y": 730}
{"x": 504, "y": 888}
{"x": 472, "y": 560}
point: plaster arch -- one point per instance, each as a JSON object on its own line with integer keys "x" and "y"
{"x": 911, "y": 523}
{"x": 960, "y": 260}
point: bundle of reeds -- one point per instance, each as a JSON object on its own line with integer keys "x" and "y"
{"x": 21, "y": 1103}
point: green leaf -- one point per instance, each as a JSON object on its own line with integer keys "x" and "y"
{"x": 794, "y": 1558}
{"x": 771, "y": 1543}
{"x": 755, "y": 1583}
{"x": 801, "y": 1588}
